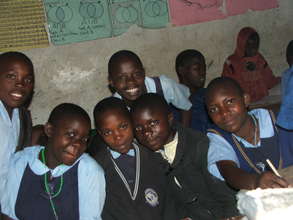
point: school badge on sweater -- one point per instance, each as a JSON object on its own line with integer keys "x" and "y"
{"x": 151, "y": 197}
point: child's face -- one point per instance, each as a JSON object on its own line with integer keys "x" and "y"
{"x": 153, "y": 128}
{"x": 227, "y": 108}
{"x": 127, "y": 79}
{"x": 252, "y": 45}
{"x": 67, "y": 140}
{"x": 194, "y": 73}
{"x": 116, "y": 130}
{"x": 16, "y": 83}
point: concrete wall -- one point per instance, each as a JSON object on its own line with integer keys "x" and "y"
{"x": 78, "y": 72}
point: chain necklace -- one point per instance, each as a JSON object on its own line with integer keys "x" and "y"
{"x": 47, "y": 187}
{"x": 255, "y": 130}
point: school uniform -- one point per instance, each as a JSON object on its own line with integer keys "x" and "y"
{"x": 196, "y": 193}
{"x": 285, "y": 117}
{"x": 174, "y": 93}
{"x": 200, "y": 120}
{"x": 227, "y": 146}
{"x": 82, "y": 191}
{"x": 15, "y": 133}
{"x": 135, "y": 183}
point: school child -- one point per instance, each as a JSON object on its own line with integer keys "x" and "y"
{"x": 196, "y": 194}
{"x": 57, "y": 181}
{"x": 285, "y": 116}
{"x": 191, "y": 71}
{"x": 248, "y": 67}
{"x": 241, "y": 141}
{"x": 135, "y": 184}
{"x": 127, "y": 78}
{"x": 16, "y": 87}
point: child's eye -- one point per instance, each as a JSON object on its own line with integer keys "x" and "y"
{"x": 137, "y": 74}
{"x": 70, "y": 134}
{"x": 123, "y": 126}
{"x": 85, "y": 139}
{"x": 138, "y": 128}
{"x": 121, "y": 77}
{"x": 28, "y": 80}
{"x": 106, "y": 133}
{"x": 230, "y": 101}
{"x": 213, "y": 110}
{"x": 154, "y": 123}
{"x": 11, "y": 76}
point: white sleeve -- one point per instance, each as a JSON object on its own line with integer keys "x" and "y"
{"x": 17, "y": 166}
{"x": 219, "y": 149}
{"x": 175, "y": 93}
{"x": 91, "y": 189}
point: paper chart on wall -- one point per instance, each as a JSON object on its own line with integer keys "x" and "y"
{"x": 235, "y": 7}
{"x": 183, "y": 12}
{"x": 22, "y": 25}
{"x": 82, "y": 20}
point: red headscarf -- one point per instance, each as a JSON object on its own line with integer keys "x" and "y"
{"x": 257, "y": 81}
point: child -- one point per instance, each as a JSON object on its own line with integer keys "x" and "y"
{"x": 127, "y": 77}
{"x": 248, "y": 67}
{"x": 16, "y": 87}
{"x": 285, "y": 117}
{"x": 58, "y": 181}
{"x": 135, "y": 184}
{"x": 241, "y": 141}
{"x": 191, "y": 71}
{"x": 196, "y": 193}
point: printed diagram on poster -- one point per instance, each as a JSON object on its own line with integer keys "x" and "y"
{"x": 75, "y": 21}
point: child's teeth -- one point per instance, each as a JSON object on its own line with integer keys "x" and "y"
{"x": 16, "y": 95}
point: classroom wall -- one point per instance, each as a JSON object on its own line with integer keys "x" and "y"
{"x": 78, "y": 72}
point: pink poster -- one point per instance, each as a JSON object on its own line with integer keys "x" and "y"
{"x": 235, "y": 7}
{"x": 183, "y": 12}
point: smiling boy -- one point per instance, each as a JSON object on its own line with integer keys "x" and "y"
{"x": 16, "y": 87}
{"x": 57, "y": 181}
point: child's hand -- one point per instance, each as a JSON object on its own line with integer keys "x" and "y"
{"x": 270, "y": 180}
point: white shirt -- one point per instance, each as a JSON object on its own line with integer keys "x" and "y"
{"x": 174, "y": 93}
{"x": 9, "y": 134}
{"x": 91, "y": 182}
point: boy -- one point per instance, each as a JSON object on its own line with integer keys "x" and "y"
{"x": 58, "y": 181}
{"x": 241, "y": 141}
{"x": 127, "y": 77}
{"x": 197, "y": 195}
{"x": 16, "y": 87}
{"x": 135, "y": 184}
{"x": 191, "y": 71}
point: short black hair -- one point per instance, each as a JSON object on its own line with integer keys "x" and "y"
{"x": 65, "y": 110}
{"x": 151, "y": 101}
{"x": 17, "y": 56}
{"x": 120, "y": 55}
{"x": 289, "y": 53}
{"x": 223, "y": 81}
{"x": 108, "y": 104}
{"x": 185, "y": 56}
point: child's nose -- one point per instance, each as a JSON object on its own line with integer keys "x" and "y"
{"x": 147, "y": 131}
{"x": 19, "y": 83}
{"x": 117, "y": 135}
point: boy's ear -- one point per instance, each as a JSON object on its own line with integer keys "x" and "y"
{"x": 170, "y": 118}
{"x": 246, "y": 99}
{"x": 48, "y": 129}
